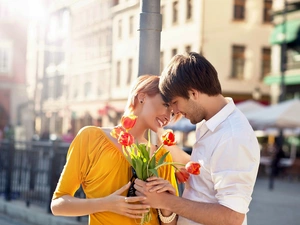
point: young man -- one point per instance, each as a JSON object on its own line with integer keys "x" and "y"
{"x": 226, "y": 147}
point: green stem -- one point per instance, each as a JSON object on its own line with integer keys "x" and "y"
{"x": 170, "y": 163}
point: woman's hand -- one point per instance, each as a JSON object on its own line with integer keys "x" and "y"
{"x": 124, "y": 205}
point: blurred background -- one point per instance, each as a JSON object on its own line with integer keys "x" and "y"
{"x": 65, "y": 64}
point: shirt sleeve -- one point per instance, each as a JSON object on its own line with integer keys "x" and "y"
{"x": 73, "y": 171}
{"x": 234, "y": 169}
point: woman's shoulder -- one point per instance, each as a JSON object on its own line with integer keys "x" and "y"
{"x": 94, "y": 130}
{"x": 97, "y": 133}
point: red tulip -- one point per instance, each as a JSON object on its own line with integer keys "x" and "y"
{"x": 182, "y": 175}
{"x": 193, "y": 168}
{"x": 168, "y": 138}
{"x": 116, "y": 131}
{"x": 125, "y": 139}
{"x": 128, "y": 121}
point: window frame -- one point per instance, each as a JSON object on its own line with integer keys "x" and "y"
{"x": 238, "y": 62}
{"x": 6, "y": 57}
{"x": 239, "y": 10}
{"x": 265, "y": 61}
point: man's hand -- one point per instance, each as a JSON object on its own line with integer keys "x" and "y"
{"x": 155, "y": 191}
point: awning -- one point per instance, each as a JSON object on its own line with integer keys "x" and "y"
{"x": 288, "y": 79}
{"x": 291, "y": 29}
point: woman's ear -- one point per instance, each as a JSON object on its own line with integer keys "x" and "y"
{"x": 141, "y": 97}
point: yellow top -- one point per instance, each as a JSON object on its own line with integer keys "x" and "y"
{"x": 95, "y": 163}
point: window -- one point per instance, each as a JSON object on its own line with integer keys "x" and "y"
{"x": 174, "y": 51}
{"x": 101, "y": 81}
{"x": 188, "y": 48}
{"x": 161, "y": 61}
{"x": 189, "y": 9}
{"x": 75, "y": 86}
{"x": 115, "y": 2}
{"x": 131, "y": 25}
{"x": 5, "y": 57}
{"x": 120, "y": 29}
{"x": 238, "y": 61}
{"x": 59, "y": 86}
{"x": 175, "y": 12}
{"x": 50, "y": 88}
{"x": 266, "y": 62}
{"x": 7, "y": 10}
{"x": 267, "y": 11}
{"x": 118, "y": 73}
{"x": 129, "y": 75}
{"x": 87, "y": 89}
{"x": 239, "y": 9}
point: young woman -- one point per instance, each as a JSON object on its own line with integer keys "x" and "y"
{"x": 96, "y": 162}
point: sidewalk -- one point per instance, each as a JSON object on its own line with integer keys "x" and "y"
{"x": 34, "y": 215}
{"x": 277, "y": 207}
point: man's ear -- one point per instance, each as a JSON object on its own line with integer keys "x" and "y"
{"x": 193, "y": 94}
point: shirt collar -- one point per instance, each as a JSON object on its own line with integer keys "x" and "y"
{"x": 211, "y": 124}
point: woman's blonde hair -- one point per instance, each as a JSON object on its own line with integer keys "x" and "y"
{"x": 147, "y": 84}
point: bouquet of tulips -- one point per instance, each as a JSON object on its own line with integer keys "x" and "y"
{"x": 139, "y": 156}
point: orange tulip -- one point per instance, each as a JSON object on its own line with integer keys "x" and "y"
{"x": 182, "y": 175}
{"x": 128, "y": 121}
{"x": 168, "y": 138}
{"x": 116, "y": 131}
{"x": 193, "y": 168}
{"x": 125, "y": 139}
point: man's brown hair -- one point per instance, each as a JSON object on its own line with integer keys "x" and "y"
{"x": 186, "y": 72}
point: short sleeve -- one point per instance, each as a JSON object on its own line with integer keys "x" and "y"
{"x": 73, "y": 171}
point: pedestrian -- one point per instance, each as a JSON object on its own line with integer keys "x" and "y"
{"x": 226, "y": 147}
{"x": 96, "y": 162}
{"x": 1, "y": 135}
{"x": 277, "y": 155}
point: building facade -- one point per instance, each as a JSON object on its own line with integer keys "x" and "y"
{"x": 284, "y": 79}
{"x": 13, "y": 44}
{"x": 87, "y": 80}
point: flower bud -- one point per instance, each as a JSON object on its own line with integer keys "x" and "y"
{"x": 182, "y": 175}
{"x": 125, "y": 139}
{"x": 128, "y": 121}
{"x": 168, "y": 138}
{"x": 193, "y": 168}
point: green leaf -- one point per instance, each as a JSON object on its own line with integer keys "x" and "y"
{"x": 144, "y": 151}
{"x": 152, "y": 163}
{"x": 154, "y": 172}
{"x": 162, "y": 159}
{"x": 139, "y": 168}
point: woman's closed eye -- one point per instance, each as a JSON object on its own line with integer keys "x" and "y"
{"x": 167, "y": 105}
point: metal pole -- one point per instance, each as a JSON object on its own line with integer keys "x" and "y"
{"x": 150, "y": 26}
